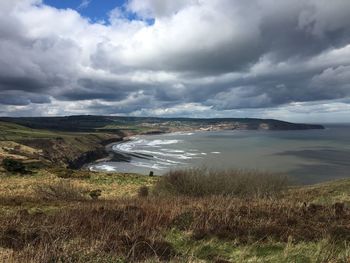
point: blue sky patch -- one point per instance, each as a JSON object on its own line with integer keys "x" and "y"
{"x": 96, "y": 10}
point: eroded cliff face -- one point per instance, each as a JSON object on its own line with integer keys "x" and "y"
{"x": 76, "y": 155}
{"x": 71, "y": 153}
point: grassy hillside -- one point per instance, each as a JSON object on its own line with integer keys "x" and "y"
{"x": 148, "y": 124}
{"x": 50, "y": 216}
{"x": 323, "y": 193}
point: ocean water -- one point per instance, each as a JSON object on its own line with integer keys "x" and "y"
{"x": 309, "y": 156}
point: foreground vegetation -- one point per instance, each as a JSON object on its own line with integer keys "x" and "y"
{"x": 59, "y": 215}
{"x": 199, "y": 182}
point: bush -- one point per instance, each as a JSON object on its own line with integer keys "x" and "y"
{"x": 201, "y": 182}
{"x": 95, "y": 194}
{"x": 65, "y": 173}
{"x": 143, "y": 191}
{"x": 62, "y": 172}
{"x": 12, "y": 165}
{"x": 61, "y": 190}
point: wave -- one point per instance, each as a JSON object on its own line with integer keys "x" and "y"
{"x": 158, "y": 156}
{"x": 183, "y": 133}
{"x": 103, "y": 167}
{"x": 171, "y": 150}
{"x": 131, "y": 145}
{"x": 161, "y": 142}
{"x": 172, "y": 155}
{"x": 154, "y": 166}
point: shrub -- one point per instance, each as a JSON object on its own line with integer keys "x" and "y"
{"x": 201, "y": 182}
{"x": 12, "y": 165}
{"x": 63, "y": 172}
{"x": 143, "y": 191}
{"x": 95, "y": 194}
{"x": 61, "y": 190}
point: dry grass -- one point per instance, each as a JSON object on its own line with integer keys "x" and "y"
{"x": 112, "y": 185}
{"x": 203, "y": 182}
{"x": 62, "y": 190}
{"x": 10, "y": 149}
{"x": 323, "y": 193}
{"x": 134, "y": 229}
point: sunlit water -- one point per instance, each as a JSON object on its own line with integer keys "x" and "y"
{"x": 308, "y": 156}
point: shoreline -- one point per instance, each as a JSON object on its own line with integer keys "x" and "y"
{"x": 120, "y": 156}
{"x": 112, "y": 155}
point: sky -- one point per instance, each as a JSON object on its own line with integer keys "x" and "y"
{"x": 287, "y": 60}
{"x": 96, "y": 10}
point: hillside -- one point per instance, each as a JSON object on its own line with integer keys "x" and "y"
{"x": 135, "y": 125}
{"x": 71, "y": 149}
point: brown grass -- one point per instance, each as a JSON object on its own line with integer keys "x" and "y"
{"x": 67, "y": 227}
{"x": 112, "y": 185}
{"x": 60, "y": 190}
{"x": 143, "y": 191}
{"x": 200, "y": 182}
{"x": 134, "y": 228}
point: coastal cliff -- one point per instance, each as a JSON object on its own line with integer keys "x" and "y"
{"x": 71, "y": 150}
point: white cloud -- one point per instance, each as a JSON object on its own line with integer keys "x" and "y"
{"x": 84, "y": 4}
{"x": 210, "y": 57}
{"x": 158, "y": 8}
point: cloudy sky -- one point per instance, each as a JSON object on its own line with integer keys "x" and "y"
{"x": 195, "y": 58}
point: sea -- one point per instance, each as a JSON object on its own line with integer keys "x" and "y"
{"x": 306, "y": 156}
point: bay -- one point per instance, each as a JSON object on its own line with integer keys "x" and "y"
{"x": 307, "y": 156}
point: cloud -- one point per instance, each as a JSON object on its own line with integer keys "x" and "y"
{"x": 84, "y": 4}
{"x": 199, "y": 57}
{"x": 13, "y": 97}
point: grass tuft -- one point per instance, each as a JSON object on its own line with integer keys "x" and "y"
{"x": 60, "y": 190}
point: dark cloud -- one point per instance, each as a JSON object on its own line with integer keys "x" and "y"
{"x": 89, "y": 89}
{"x": 19, "y": 98}
{"x": 24, "y": 83}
